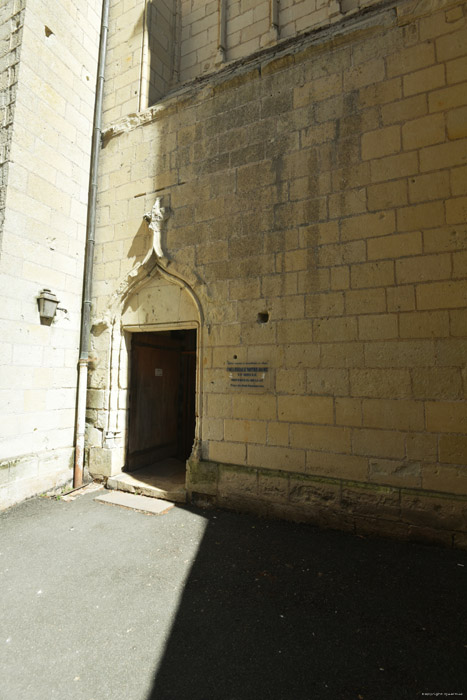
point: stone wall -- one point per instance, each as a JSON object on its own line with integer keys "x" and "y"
{"x": 11, "y": 23}
{"x": 162, "y": 40}
{"x": 43, "y": 243}
{"x": 156, "y": 46}
{"x": 124, "y": 54}
{"x": 199, "y": 37}
{"x": 318, "y": 209}
{"x": 250, "y": 25}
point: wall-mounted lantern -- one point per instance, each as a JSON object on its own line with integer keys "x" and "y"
{"x": 48, "y": 303}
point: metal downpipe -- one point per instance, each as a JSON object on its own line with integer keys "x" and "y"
{"x": 89, "y": 256}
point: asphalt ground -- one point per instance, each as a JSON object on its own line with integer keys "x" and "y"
{"x": 102, "y": 602}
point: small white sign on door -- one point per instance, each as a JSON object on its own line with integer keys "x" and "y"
{"x": 158, "y": 372}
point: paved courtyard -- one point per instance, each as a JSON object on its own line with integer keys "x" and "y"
{"x": 103, "y": 602}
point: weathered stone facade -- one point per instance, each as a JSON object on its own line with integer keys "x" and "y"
{"x": 296, "y": 194}
{"x": 155, "y": 46}
{"x": 317, "y": 199}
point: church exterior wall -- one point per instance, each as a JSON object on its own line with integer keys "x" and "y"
{"x": 316, "y": 205}
{"x": 298, "y": 197}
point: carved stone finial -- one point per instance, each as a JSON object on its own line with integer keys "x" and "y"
{"x": 156, "y": 218}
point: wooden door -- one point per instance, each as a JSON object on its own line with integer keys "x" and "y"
{"x": 162, "y": 397}
{"x": 153, "y": 424}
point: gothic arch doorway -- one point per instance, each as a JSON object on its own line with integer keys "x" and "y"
{"x": 161, "y": 328}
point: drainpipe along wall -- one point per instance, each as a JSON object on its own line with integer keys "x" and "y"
{"x": 89, "y": 256}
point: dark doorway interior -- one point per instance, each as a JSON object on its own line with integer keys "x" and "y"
{"x": 162, "y": 397}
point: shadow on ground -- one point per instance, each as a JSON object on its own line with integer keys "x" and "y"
{"x": 282, "y": 611}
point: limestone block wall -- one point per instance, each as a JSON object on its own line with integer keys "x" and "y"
{"x": 156, "y": 46}
{"x": 250, "y": 25}
{"x": 318, "y": 209}
{"x": 199, "y": 37}
{"x": 162, "y": 41}
{"x": 43, "y": 242}
{"x": 124, "y": 57}
{"x": 11, "y": 22}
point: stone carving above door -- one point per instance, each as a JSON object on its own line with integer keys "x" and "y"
{"x": 156, "y": 219}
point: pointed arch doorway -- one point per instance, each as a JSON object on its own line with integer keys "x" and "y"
{"x": 161, "y": 325}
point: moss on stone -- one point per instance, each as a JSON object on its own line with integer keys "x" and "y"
{"x": 419, "y": 493}
{"x": 199, "y": 472}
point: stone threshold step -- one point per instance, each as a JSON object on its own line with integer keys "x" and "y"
{"x": 144, "y": 504}
{"x": 131, "y": 484}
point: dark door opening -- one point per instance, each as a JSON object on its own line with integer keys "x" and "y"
{"x": 162, "y": 397}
